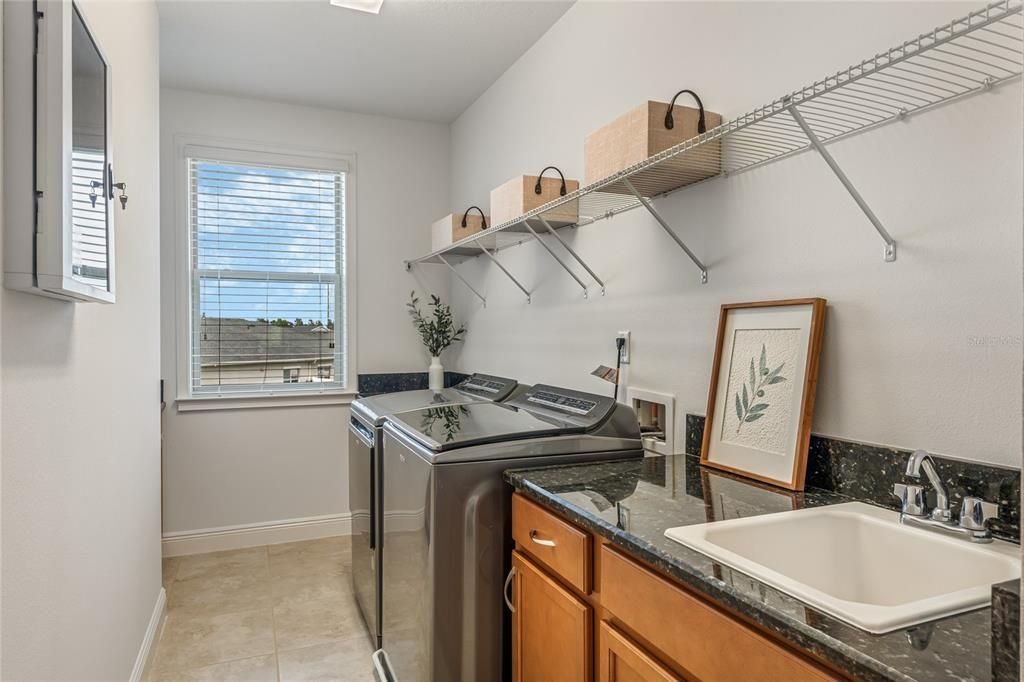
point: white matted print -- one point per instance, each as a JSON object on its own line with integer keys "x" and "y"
{"x": 762, "y": 389}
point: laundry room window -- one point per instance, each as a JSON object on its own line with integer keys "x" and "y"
{"x": 267, "y": 281}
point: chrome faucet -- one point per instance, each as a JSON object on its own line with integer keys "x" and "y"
{"x": 919, "y": 460}
{"x": 974, "y": 512}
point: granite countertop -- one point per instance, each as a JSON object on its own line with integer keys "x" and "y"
{"x": 632, "y": 503}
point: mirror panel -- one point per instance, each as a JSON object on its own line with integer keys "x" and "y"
{"x": 90, "y": 202}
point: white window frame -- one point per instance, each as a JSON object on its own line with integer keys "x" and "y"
{"x": 187, "y": 147}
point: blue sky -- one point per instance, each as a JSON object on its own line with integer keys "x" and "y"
{"x": 257, "y": 219}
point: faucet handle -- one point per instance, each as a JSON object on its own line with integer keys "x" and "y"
{"x": 911, "y": 498}
{"x": 974, "y": 512}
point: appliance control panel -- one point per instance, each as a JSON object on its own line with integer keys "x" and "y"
{"x": 486, "y": 386}
{"x": 560, "y": 401}
{"x": 584, "y": 409}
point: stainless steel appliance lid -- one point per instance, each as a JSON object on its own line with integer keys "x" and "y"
{"x": 378, "y": 407}
{"x": 456, "y": 426}
{"x": 477, "y": 388}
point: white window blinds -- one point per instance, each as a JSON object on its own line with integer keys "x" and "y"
{"x": 267, "y": 277}
{"x": 88, "y": 217}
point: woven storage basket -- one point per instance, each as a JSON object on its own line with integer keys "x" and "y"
{"x": 640, "y": 134}
{"x": 519, "y": 195}
{"x": 449, "y": 229}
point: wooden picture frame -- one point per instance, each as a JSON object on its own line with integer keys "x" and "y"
{"x": 775, "y": 451}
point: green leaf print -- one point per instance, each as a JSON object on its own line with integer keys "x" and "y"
{"x": 748, "y": 409}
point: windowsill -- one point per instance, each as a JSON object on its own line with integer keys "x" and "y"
{"x": 242, "y": 402}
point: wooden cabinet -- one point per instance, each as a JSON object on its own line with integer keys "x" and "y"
{"x": 620, "y": 659}
{"x": 557, "y": 545}
{"x": 551, "y": 628}
{"x": 651, "y": 628}
{"x": 707, "y": 643}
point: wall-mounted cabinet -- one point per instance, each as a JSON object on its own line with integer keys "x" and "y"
{"x": 59, "y": 185}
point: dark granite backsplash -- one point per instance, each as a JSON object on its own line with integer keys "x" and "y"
{"x": 867, "y": 472}
{"x": 1006, "y": 631}
{"x": 392, "y": 382}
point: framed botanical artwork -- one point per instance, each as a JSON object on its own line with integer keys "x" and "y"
{"x": 763, "y": 382}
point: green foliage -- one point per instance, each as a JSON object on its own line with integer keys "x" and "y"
{"x": 439, "y": 331}
{"x": 450, "y": 417}
{"x": 747, "y": 408}
{"x": 281, "y": 323}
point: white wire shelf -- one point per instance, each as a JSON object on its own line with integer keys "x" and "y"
{"x": 973, "y": 54}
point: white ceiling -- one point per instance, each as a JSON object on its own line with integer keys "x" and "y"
{"x": 417, "y": 59}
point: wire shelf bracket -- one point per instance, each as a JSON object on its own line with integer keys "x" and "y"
{"x": 889, "y": 252}
{"x": 409, "y": 264}
{"x": 554, "y": 255}
{"x": 661, "y": 221}
{"x": 508, "y": 274}
{"x": 575, "y": 255}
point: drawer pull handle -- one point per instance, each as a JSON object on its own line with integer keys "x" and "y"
{"x": 504, "y": 591}
{"x": 541, "y": 541}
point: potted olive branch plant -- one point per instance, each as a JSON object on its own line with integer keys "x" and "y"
{"x": 437, "y": 333}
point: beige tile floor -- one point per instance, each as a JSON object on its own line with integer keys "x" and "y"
{"x": 275, "y": 613}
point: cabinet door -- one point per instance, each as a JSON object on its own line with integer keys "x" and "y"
{"x": 622, "y": 660}
{"x": 551, "y": 628}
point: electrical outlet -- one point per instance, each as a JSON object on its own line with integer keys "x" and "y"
{"x": 624, "y": 355}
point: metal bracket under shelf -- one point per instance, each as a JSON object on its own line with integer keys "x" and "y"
{"x": 572, "y": 253}
{"x": 503, "y": 269}
{"x": 410, "y": 263}
{"x": 555, "y": 256}
{"x": 661, "y": 221}
{"x": 889, "y": 252}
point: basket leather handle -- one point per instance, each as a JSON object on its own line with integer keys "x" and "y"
{"x": 537, "y": 189}
{"x": 483, "y": 218}
{"x": 670, "y": 122}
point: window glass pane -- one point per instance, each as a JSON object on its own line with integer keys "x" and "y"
{"x": 265, "y": 219}
{"x": 266, "y": 259}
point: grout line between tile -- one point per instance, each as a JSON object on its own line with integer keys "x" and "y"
{"x": 210, "y": 665}
{"x": 273, "y": 615}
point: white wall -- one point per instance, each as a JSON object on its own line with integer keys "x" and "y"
{"x": 900, "y": 364}
{"x": 80, "y": 445}
{"x": 258, "y": 466}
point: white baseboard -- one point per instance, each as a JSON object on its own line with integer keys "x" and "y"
{"x": 255, "y": 534}
{"x": 403, "y": 520}
{"x": 152, "y": 630}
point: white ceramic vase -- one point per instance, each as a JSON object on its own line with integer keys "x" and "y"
{"x": 435, "y": 374}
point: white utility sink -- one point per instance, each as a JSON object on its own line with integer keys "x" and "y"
{"x": 858, "y": 563}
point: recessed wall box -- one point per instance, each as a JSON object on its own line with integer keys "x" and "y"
{"x": 656, "y": 412}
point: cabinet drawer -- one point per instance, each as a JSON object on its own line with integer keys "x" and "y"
{"x": 620, "y": 659}
{"x": 557, "y": 544}
{"x": 708, "y": 644}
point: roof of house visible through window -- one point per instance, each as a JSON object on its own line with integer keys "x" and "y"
{"x": 224, "y": 340}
